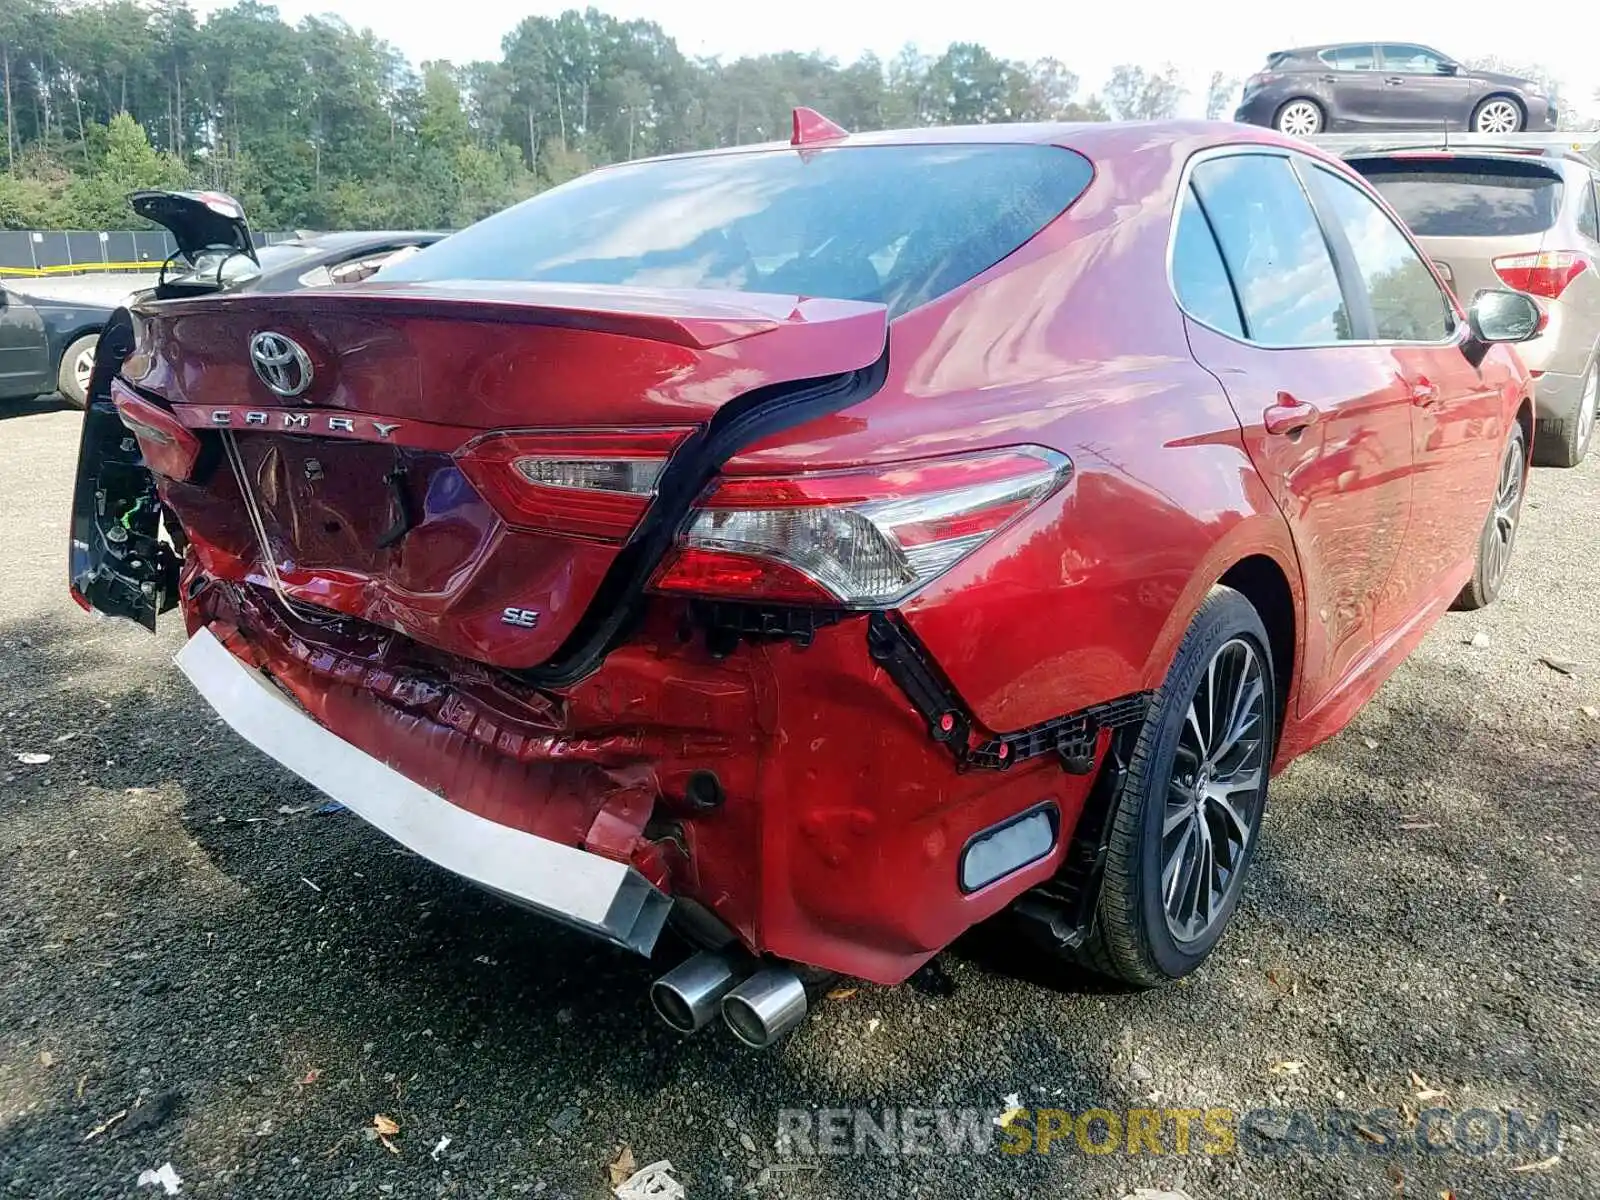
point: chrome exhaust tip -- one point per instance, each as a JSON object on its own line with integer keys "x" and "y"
{"x": 765, "y": 1007}
{"x": 688, "y": 996}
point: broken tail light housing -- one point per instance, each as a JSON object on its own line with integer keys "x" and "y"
{"x": 1547, "y": 273}
{"x": 167, "y": 446}
{"x": 857, "y": 538}
{"x": 588, "y": 483}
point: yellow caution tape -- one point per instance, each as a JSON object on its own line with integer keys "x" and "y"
{"x": 78, "y": 268}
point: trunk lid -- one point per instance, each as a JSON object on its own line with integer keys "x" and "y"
{"x": 469, "y": 464}
{"x": 200, "y": 222}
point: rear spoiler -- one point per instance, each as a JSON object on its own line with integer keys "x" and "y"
{"x": 1585, "y": 146}
{"x": 696, "y": 319}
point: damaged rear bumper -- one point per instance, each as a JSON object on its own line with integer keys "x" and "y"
{"x": 607, "y": 898}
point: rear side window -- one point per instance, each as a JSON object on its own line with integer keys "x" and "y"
{"x": 1465, "y": 198}
{"x": 1407, "y": 303}
{"x": 899, "y": 225}
{"x": 1199, "y": 276}
{"x": 1274, "y": 250}
{"x": 1412, "y": 60}
{"x": 1588, "y": 218}
{"x": 1351, "y": 58}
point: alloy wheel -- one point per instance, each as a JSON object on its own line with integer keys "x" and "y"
{"x": 82, "y": 369}
{"x": 1499, "y": 116}
{"x": 1500, "y": 534}
{"x": 1216, "y": 792}
{"x": 1300, "y": 118}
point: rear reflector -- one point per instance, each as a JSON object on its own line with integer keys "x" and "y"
{"x": 860, "y": 538}
{"x": 1007, "y": 847}
{"x": 1545, "y": 274}
{"x": 589, "y": 483}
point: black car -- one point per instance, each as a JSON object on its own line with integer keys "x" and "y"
{"x": 1388, "y": 85}
{"x": 47, "y": 343}
{"x": 216, "y": 251}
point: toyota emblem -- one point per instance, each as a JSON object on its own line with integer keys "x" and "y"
{"x": 281, "y": 363}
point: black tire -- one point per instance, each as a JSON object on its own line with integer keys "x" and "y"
{"x": 1492, "y": 562}
{"x": 68, "y": 382}
{"x": 1565, "y": 442}
{"x": 1498, "y": 100}
{"x": 1299, "y": 104}
{"x": 1132, "y": 939}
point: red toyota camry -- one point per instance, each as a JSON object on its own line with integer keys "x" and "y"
{"x": 828, "y": 545}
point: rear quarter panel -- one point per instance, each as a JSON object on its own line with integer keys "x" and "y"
{"x": 1075, "y": 343}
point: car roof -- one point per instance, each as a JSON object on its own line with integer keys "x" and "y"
{"x": 1095, "y": 140}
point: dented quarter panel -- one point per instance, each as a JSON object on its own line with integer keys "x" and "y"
{"x": 1088, "y": 599}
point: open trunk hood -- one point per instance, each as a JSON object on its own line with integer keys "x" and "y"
{"x": 199, "y": 222}
{"x": 416, "y": 455}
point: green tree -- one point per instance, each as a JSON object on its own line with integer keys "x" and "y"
{"x": 1219, "y": 96}
{"x": 125, "y": 162}
{"x": 1134, "y": 94}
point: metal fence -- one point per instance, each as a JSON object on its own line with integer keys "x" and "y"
{"x": 39, "y": 252}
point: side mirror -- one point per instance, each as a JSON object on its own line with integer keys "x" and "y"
{"x": 1449, "y": 68}
{"x": 1505, "y": 316}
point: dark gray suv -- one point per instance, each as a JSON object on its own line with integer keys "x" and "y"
{"x": 1388, "y": 85}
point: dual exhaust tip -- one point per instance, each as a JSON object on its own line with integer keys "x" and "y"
{"x": 760, "y": 1004}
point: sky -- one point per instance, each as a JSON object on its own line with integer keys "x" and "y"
{"x": 1196, "y": 38}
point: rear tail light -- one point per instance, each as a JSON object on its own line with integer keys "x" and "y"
{"x": 860, "y": 538}
{"x": 592, "y": 483}
{"x": 168, "y": 447}
{"x": 1545, "y": 274}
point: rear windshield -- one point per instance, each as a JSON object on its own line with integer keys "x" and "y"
{"x": 898, "y": 225}
{"x": 1459, "y": 199}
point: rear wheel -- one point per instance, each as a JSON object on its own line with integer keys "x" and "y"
{"x": 1497, "y": 114}
{"x": 77, "y": 364}
{"x": 1499, "y": 535}
{"x": 1187, "y": 822}
{"x": 1565, "y": 443}
{"x": 1299, "y": 118}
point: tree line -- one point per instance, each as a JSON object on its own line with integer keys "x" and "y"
{"x": 319, "y": 125}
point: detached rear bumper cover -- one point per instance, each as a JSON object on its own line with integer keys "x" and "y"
{"x": 606, "y": 898}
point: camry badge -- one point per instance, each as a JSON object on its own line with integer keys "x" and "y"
{"x": 281, "y": 363}
{"x": 313, "y": 421}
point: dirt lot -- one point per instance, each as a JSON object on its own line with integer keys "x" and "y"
{"x": 187, "y": 939}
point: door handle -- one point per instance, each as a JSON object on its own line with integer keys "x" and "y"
{"x": 1394, "y": 81}
{"x": 1423, "y": 392}
{"x": 1330, "y": 79}
{"x": 1289, "y": 416}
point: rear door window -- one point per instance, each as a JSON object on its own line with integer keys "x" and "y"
{"x": 1467, "y": 198}
{"x": 1412, "y": 60}
{"x": 1351, "y": 58}
{"x": 1274, "y": 249}
{"x": 898, "y": 225}
{"x": 1408, "y": 304}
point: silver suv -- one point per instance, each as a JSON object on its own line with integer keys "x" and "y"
{"x": 1528, "y": 220}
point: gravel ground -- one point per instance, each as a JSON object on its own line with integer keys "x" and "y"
{"x": 185, "y": 939}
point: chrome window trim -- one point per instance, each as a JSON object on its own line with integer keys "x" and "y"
{"x": 1294, "y": 157}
